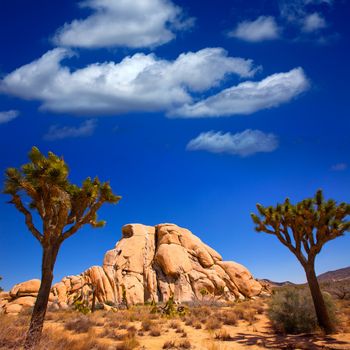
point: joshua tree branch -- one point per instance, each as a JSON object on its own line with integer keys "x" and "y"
{"x": 86, "y": 219}
{"x": 16, "y": 200}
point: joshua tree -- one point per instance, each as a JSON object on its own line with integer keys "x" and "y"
{"x": 304, "y": 228}
{"x": 0, "y": 287}
{"x": 63, "y": 209}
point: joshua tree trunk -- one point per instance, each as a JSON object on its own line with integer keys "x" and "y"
{"x": 320, "y": 306}
{"x": 39, "y": 311}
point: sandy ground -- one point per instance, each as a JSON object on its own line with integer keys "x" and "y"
{"x": 244, "y": 336}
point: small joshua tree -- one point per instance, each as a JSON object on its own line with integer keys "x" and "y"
{"x": 304, "y": 228}
{"x": 63, "y": 209}
{"x": 0, "y": 287}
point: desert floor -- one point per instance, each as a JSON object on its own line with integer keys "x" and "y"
{"x": 240, "y": 326}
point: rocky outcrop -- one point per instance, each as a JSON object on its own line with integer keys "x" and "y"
{"x": 147, "y": 264}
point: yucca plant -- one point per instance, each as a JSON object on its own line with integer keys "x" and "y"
{"x": 304, "y": 228}
{"x": 63, "y": 209}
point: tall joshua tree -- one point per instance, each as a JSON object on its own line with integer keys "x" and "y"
{"x": 304, "y": 228}
{"x": 63, "y": 209}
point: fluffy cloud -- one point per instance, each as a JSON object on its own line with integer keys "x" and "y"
{"x": 263, "y": 28}
{"x": 7, "y": 116}
{"x": 138, "y": 83}
{"x": 249, "y": 97}
{"x": 140, "y": 23}
{"x": 57, "y": 132}
{"x": 339, "y": 167}
{"x": 243, "y": 144}
{"x": 145, "y": 83}
{"x": 313, "y": 22}
{"x": 297, "y": 12}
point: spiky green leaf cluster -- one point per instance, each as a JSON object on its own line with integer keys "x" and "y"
{"x": 305, "y": 226}
{"x": 59, "y": 203}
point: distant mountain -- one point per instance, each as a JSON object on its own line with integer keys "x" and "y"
{"x": 336, "y": 275}
{"x": 266, "y": 281}
{"x": 329, "y": 276}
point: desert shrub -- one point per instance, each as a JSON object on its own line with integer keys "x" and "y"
{"x": 229, "y": 318}
{"x": 338, "y": 289}
{"x": 146, "y": 325}
{"x": 249, "y": 316}
{"x": 201, "y": 312}
{"x": 185, "y": 344}
{"x": 174, "y": 324}
{"x": 81, "y": 307}
{"x": 291, "y": 310}
{"x": 129, "y": 343}
{"x": 11, "y": 334}
{"x": 240, "y": 310}
{"x": 169, "y": 344}
{"x": 223, "y": 335}
{"x": 189, "y": 321}
{"x": 56, "y": 340}
{"x": 197, "y": 325}
{"x": 79, "y": 325}
{"x": 155, "y": 331}
{"x": 213, "y": 323}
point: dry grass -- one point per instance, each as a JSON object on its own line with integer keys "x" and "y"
{"x": 213, "y": 323}
{"x": 174, "y": 324}
{"x": 169, "y": 344}
{"x": 185, "y": 344}
{"x": 128, "y": 344}
{"x": 137, "y": 328}
{"x": 223, "y": 335}
{"x": 81, "y": 324}
{"x": 155, "y": 330}
{"x": 146, "y": 325}
{"x": 229, "y": 318}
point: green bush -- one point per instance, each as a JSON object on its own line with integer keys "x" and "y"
{"x": 291, "y": 310}
{"x": 81, "y": 307}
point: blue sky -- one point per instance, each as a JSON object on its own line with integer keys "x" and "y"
{"x": 195, "y": 111}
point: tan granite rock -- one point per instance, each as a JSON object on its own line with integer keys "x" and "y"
{"x": 147, "y": 264}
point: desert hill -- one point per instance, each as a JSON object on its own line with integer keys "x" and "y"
{"x": 336, "y": 275}
{"x": 329, "y": 276}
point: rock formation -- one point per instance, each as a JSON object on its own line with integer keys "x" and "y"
{"x": 147, "y": 264}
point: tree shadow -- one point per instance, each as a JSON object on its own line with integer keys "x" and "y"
{"x": 279, "y": 341}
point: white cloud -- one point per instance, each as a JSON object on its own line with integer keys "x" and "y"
{"x": 7, "y": 116}
{"x": 298, "y": 13}
{"x": 313, "y": 22}
{"x": 339, "y": 167}
{"x": 57, "y": 132}
{"x": 140, "y": 23}
{"x": 263, "y": 28}
{"x": 243, "y": 144}
{"x": 138, "y": 83}
{"x": 248, "y": 97}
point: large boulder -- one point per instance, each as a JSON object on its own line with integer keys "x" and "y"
{"x": 148, "y": 264}
{"x": 28, "y": 288}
